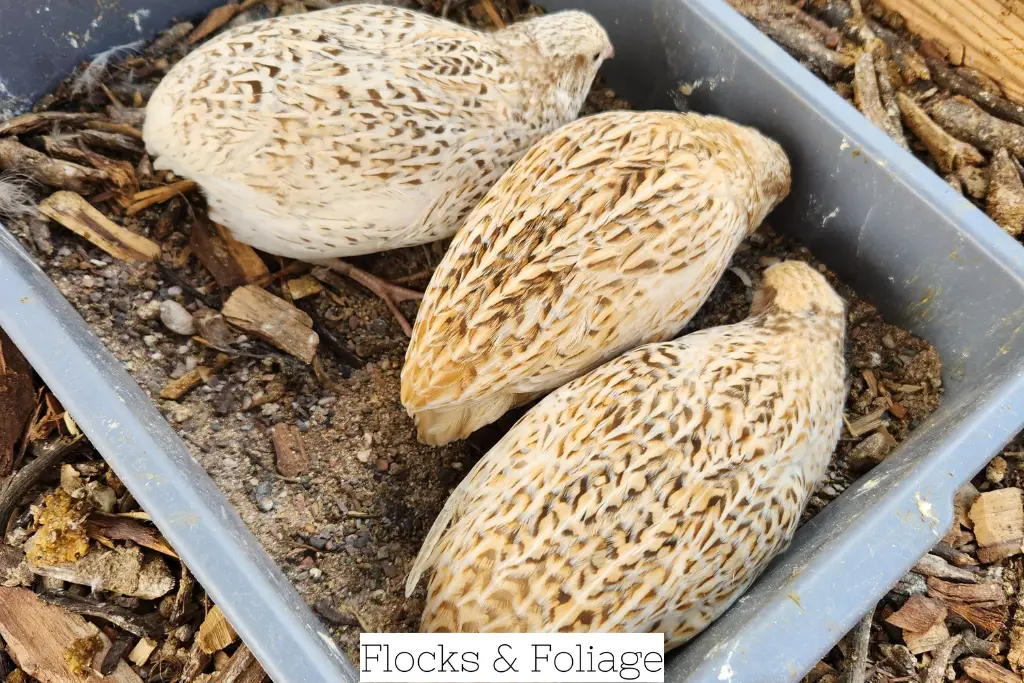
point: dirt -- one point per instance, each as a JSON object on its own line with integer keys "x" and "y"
{"x": 346, "y": 532}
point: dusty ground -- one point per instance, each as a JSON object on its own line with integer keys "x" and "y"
{"x": 346, "y": 532}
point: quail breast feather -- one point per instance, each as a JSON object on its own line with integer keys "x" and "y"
{"x": 647, "y": 495}
{"x": 363, "y": 128}
{"x": 609, "y": 233}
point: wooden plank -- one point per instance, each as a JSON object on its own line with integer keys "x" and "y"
{"x": 39, "y": 636}
{"x": 989, "y": 34}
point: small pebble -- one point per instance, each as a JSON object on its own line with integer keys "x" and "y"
{"x": 888, "y": 342}
{"x": 174, "y": 291}
{"x": 363, "y": 456}
{"x": 382, "y": 465}
{"x": 996, "y": 470}
{"x": 315, "y": 573}
{"x": 150, "y": 339}
{"x": 176, "y": 318}
{"x": 148, "y": 311}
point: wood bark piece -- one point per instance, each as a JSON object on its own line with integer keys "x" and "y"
{"x": 292, "y": 459}
{"x": 115, "y": 127}
{"x": 989, "y": 591}
{"x": 998, "y": 518}
{"x": 871, "y": 451}
{"x": 948, "y": 152}
{"x": 273, "y": 319}
{"x": 987, "y": 671}
{"x": 121, "y": 571}
{"x": 17, "y": 400}
{"x": 213, "y": 21}
{"x": 117, "y": 142}
{"x": 123, "y": 528}
{"x": 1004, "y": 202}
{"x": 986, "y": 616}
{"x": 79, "y": 216}
{"x": 195, "y": 662}
{"x": 806, "y": 45}
{"x": 120, "y": 173}
{"x": 989, "y": 33}
{"x": 123, "y": 618}
{"x": 158, "y": 195}
{"x": 858, "y": 667}
{"x": 918, "y": 614}
{"x": 111, "y": 660}
{"x": 923, "y": 623}
{"x": 63, "y": 175}
{"x": 38, "y": 636}
{"x": 967, "y": 121}
{"x": 951, "y": 80}
{"x": 215, "y": 633}
{"x": 231, "y": 263}
{"x": 242, "y": 668}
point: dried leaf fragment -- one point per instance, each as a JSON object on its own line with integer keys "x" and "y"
{"x": 79, "y": 216}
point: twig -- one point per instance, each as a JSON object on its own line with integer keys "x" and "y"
{"x": 30, "y": 475}
{"x": 1005, "y": 201}
{"x": 805, "y": 44}
{"x": 857, "y": 668}
{"x": 183, "y": 597}
{"x": 65, "y": 175}
{"x": 940, "y": 660}
{"x": 965, "y": 120}
{"x": 142, "y": 626}
{"x": 118, "y": 649}
{"x": 866, "y": 95}
{"x": 951, "y": 80}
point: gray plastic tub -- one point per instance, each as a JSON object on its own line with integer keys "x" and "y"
{"x": 892, "y": 229}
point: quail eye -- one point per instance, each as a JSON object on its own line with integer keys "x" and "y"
{"x": 597, "y": 56}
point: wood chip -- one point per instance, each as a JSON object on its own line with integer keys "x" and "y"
{"x": 918, "y": 614}
{"x": 120, "y": 173}
{"x": 200, "y": 374}
{"x": 867, "y": 423}
{"x": 146, "y": 199}
{"x": 1005, "y": 201}
{"x": 76, "y": 214}
{"x": 117, "y": 142}
{"x": 115, "y": 127}
{"x": 987, "y": 671}
{"x": 998, "y": 518}
{"x": 273, "y": 319}
{"x": 141, "y": 652}
{"x": 304, "y": 286}
{"x": 989, "y": 617}
{"x": 121, "y": 571}
{"x": 123, "y": 528}
{"x": 215, "y": 633}
{"x": 967, "y": 121}
{"x": 988, "y": 591}
{"x": 63, "y": 175}
{"x": 292, "y": 459}
{"x": 38, "y": 636}
{"x": 242, "y": 668}
{"x": 951, "y": 80}
{"x": 948, "y": 152}
{"x": 927, "y": 641}
{"x": 941, "y": 658}
{"x": 213, "y": 21}
{"x": 231, "y": 263}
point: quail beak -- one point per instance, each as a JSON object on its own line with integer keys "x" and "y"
{"x": 609, "y": 52}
